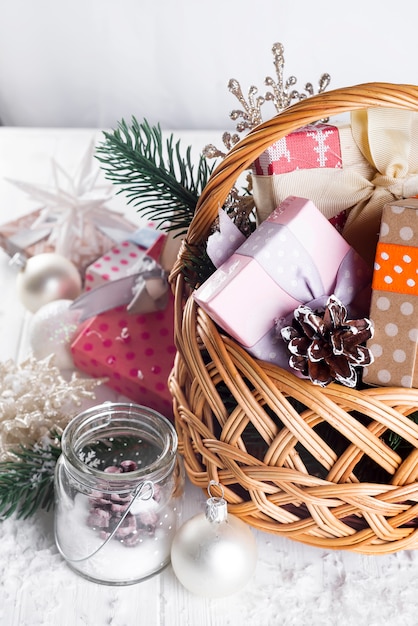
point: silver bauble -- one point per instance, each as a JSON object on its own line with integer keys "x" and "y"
{"x": 52, "y": 329}
{"x": 46, "y": 277}
{"x": 214, "y": 554}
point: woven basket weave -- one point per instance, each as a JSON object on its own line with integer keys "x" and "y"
{"x": 284, "y": 469}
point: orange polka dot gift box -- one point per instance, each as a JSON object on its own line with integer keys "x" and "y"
{"x": 394, "y": 304}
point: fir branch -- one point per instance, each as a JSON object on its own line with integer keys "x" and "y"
{"x": 159, "y": 181}
{"x": 395, "y": 441}
{"x": 27, "y": 484}
{"x": 197, "y": 266}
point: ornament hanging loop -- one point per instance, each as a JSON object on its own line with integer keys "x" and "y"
{"x": 214, "y": 483}
{"x": 216, "y": 507}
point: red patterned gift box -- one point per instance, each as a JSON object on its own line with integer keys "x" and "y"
{"x": 315, "y": 146}
{"x": 134, "y": 351}
{"x": 359, "y": 178}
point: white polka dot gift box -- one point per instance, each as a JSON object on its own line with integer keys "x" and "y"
{"x": 294, "y": 257}
{"x": 394, "y": 305}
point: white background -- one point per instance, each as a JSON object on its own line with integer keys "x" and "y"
{"x": 89, "y": 63}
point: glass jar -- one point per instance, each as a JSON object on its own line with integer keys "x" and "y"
{"x": 118, "y": 493}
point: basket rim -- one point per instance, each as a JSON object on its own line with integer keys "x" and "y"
{"x": 240, "y": 157}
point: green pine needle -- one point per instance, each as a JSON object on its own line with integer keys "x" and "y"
{"x": 27, "y": 484}
{"x": 157, "y": 179}
{"x": 198, "y": 266}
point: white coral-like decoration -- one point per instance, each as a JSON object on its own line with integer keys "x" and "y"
{"x": 35, "y": 399}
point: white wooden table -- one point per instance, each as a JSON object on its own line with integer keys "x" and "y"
{"x": 294, "y": 585}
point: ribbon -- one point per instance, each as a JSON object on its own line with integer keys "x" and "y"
{"x": 223, "y": 242}
{"x": 303, "y": 282}
{"x": 396, "y": 269}
{"x": 144, "y": 290}
{"x": 388, "y": 140}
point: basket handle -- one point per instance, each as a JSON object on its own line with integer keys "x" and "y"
{"x": 242, "y": 155}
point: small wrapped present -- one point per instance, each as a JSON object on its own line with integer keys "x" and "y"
{"x": 313, "y": 147}
{"x": 348, "y": 168}
{"x": 36, "y": 233}
{"x": 127, "y": 333}
{"x": 394, "y": 303}
{"x": 134, "y": 351}
{"x": 73, "y": 216}
{"x": 294, "y": 257}
{"x": 119, "y": 261}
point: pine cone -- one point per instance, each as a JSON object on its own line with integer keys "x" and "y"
{"x": 326, "y": 346}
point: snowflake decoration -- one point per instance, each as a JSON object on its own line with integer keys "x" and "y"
{"x": 282, "y": 95}
{"x": 89, "y": 458}
{"x": 72, "y": 206}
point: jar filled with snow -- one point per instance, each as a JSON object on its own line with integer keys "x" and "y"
{"x": 118, "y": 493}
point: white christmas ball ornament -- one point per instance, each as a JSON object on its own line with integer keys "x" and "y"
{"x": 214, "y": 554}
{"x": 52, "y": 330}
{"x": 46, "y": 277}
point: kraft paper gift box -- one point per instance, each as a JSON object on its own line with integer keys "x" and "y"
{"x": 134, "y": 351}
{"x": 295, "y": 256}
{"x": 355, "y": 167}
{"x": 394, "y": 304}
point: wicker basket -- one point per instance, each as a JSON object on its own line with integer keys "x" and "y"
{"x": 278, "y": 465}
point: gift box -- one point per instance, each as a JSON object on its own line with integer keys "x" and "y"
{"x": 34, "y": 235}
{"x": 135, "y": 352}
{"x": 295, "y": 256}
{"x": 120, "y": 260}
{"x": 394, "y": 303}
{"x": 312, "y": 147}
{"x": 344, "y": 168}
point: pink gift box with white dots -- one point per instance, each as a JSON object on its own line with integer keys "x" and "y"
{"x": 118, "y": 262}
{"x": 135, "y": 352}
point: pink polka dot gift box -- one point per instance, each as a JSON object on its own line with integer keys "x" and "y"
{"x": 294, "y": 257}
{"x": 134, "y": 351}
{"x": 119, "y": 260}
{"x": 130, "y": 345}
{"x": 394, "y": 304}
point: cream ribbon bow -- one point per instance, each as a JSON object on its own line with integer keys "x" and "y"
{"x": 388, "y": 140}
